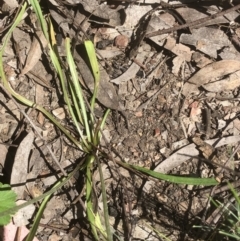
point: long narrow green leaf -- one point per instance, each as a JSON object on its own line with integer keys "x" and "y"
{"x": 77, "y": 87}
{"x": 56, "y": 62}
{"x": 93, "y": 59}
{"x": 176, "y": 179}
{"x": 90, "y": 212}
{"x": 42, "y": 21}
{"x": 38, "y": 216}
{"x": 95, "y": 70}
{"x": 105, "y": 207}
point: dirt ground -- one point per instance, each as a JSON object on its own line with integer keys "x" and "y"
{"x": 170, "y": 73}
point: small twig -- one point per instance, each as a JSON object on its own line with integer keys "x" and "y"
{"x": 52, "y": 228}
{"x": 224, "y": 188}
{"x": 6, "y": 144}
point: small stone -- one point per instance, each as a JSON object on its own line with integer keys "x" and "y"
{"x": 121, "y": 41}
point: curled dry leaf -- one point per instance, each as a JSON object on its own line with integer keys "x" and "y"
{"x": 210, "y": 72}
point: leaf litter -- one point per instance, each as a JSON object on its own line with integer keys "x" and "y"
{"x": 191, "y": 89}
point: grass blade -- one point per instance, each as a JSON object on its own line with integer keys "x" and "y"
{"x": 176, "y": 179}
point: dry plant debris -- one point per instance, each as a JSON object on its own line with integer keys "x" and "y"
{"x": 170, "y": 72}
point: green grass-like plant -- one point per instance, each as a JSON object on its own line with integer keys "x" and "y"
{"x": 229, "y": 224}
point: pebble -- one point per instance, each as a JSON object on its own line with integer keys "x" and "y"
{"x": 121, "y": 41}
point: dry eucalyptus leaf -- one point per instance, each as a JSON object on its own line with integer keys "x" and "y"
{"x": 134, "y": 14}
{"x": 229, "y": 83}
{"x": 73, "y": 2}
{"x": 215, "y": 70}
{"x": 210, "y": 72}
{"x": 54, "y": 206}
{"x": 53, "y": 2}
{"x": 93, "y": 8}
{"x": 39, "y": 95}
{"x": 61, "y": 20}
{"x": 200, "y": 60}
{"x": 20, "y": 165}
{"x": 177, "y": 64}
{"x": 191, "y": 14}
{"x": 41, "y": 75}
{"x": 207, "y": 40}
{"x": 35, "y": 52}
{"x": 23, "y": 42}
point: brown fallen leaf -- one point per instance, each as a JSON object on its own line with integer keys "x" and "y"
{"x": 179, "y": 49}
{"x": 20, "y": 165}
{"x": 191, "y": 14}
{"x": 206, "y": 40}
{"x": 229, "y": 83}
{"x": 23, "y": 43}
{"x": 209, "y": 73}
{"x": 35, "y": 52}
